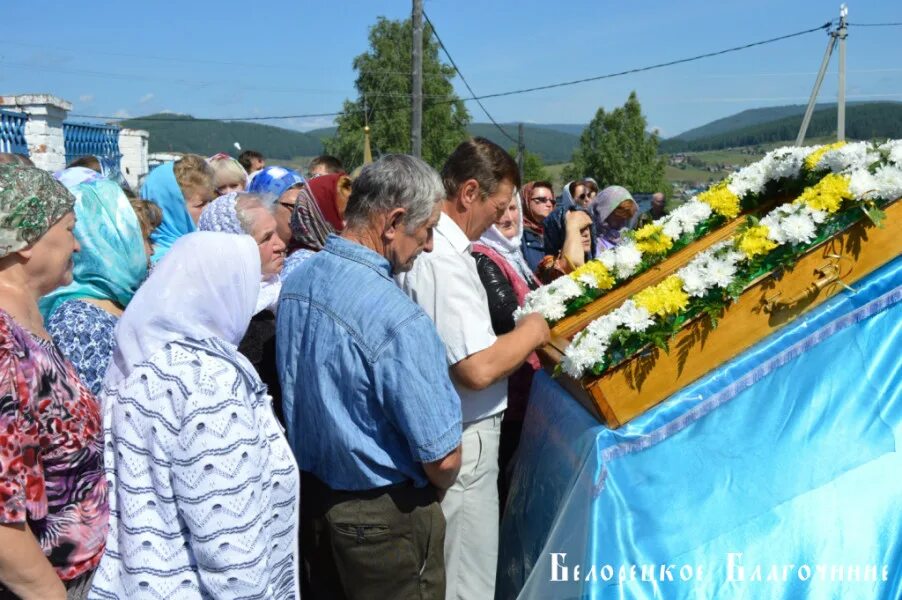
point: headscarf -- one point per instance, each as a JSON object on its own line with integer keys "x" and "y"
{"x": 31, "y": 202}
{"x": 111, "y": 263}
{"x": 565, "y": 200}
{"x": 73, "y": 177}
{"x": 601, "y": 208}
{"x": 221, "y": 215}
{"x": 556, "y": 230}
{"x": 530, "y": 221}
{"x": 162, "y": 189}
{"x": 509, "y": 248}
{"x": 274, "y": 181}
{"x": 315, "y": 213}
{"x": 205, "y": 287}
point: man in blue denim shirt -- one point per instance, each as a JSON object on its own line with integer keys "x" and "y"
{"x": 370, "y": 411}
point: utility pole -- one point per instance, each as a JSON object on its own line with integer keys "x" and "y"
{"x": 416, "y": 75}
{"x": 839, "y": 34}
{"x": 841, "y": 97}
{"x": 521, "y": 152}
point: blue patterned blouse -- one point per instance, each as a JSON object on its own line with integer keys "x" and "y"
{"x": 84, "y": 334}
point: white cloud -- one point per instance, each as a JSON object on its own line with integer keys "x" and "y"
{"x": 122, "y": 114}
{"x": 86, "y": 98}
{"x": 309, "y": 123}
{"x": 145, "y": 98}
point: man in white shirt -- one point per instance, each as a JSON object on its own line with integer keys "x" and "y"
{"x": 480, "y": 179}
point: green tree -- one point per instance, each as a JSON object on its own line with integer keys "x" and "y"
{"x": 384, "y": 87}
{"x": 533, "y": 167}
{"x": 616, "y": 149}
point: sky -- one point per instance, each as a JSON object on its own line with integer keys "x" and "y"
{"x": 231, "y": 59}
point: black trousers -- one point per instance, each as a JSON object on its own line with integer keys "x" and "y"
{"x": 375, "y": 544}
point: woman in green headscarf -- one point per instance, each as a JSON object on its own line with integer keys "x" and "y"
{"x": 53, "y": 496}
{"x": 109, "y": 268}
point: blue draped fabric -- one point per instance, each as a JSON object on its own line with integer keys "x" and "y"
{"x": 785, "y": 455}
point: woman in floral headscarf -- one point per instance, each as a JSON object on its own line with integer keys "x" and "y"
{"x": 318, "y": 211}
{"x": 110, "y": 266}
{"x": 53, "y": 495}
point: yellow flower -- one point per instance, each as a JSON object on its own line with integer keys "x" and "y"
{"x": 650, "y": 239}
{"x": 827, "y": 194}
{"x": 815, "y": 157}
{"x": 721, "y": 200}
{"x": 754, "y": 241}
{"x": 666, "y": 298}
{"x": 594, "y": 274}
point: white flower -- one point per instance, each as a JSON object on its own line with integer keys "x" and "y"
{"x": 893, "y": 148}
{"x": 583, "y": 353}
{"x": 608, "y": 258}
{"x": 863, "y": 185}
{"x": 633, "y": 317}
{"x": 857, "y": 155}
{"x": 672, "y": 228}
{"x": 604, "y": 327}
{"x": 798, "y": 228}
{"x": 719, "y": 272}
{"x": 774, "y": 228}
{"x": 693, "y": 277}
{"x": 889, "y": 182}
{"x": 627, "y": 258}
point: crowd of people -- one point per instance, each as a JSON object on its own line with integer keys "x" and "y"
{"x": 245, "y": 382}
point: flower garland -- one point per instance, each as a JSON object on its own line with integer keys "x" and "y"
{"x": 715, "y": 276}
{"x": 652, "y": 243}
{"x": 865, "y": 171}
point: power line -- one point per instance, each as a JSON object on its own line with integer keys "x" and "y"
{"x": 656, "y": 66}
{"x": 463, "y": 79}
{"x": 518, "y": 91}
{"x": 875, "y": 24}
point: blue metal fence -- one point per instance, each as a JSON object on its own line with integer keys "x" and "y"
{"x": 12, "y": 132}
{"x": 82, "y": 139}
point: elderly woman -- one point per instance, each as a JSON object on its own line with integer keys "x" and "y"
{"x": 108, "y": 269}
{"x": 203, "y": 485}
{"x": 247, "y": 214}
{"x": 318, "y": 211}
{"x": 613, "y": 211}
{"x": 282, "y": 186}
{"x": 181, "y": 190}
{"x": 228, "y": 174}
{"x": 53, "y": 496}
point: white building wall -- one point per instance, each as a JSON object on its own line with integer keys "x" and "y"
{"x": 133, "y": 146}
{"x": 44, "y": 128}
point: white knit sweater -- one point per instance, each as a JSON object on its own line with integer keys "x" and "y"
{"x": 204, "y": 489}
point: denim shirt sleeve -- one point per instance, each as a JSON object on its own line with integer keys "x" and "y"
{"x": 412, "y": 378}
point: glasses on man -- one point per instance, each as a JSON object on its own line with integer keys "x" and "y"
{"x": 541, "y": 200}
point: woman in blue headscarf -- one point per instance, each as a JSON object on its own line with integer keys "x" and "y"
{"x": 107, "y": 271}
{"x": 181, "y": 190}
{"x": 282, "y": 186}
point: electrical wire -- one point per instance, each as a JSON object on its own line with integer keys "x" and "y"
{"x": 464, "y": 80}
{"x": 874, "y": 24}
{"x": 474, "y": 97}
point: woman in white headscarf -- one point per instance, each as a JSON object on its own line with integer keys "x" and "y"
{"x": 507, "y": 279}
{"x": 203, "y": 485}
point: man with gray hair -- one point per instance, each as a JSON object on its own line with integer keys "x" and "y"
{"x": 370, "y": 411}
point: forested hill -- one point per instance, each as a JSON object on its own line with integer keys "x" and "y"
{"x": 873, "y": 120}
{"x": 553, "y": 143}
{"x": 183, "y": 133}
